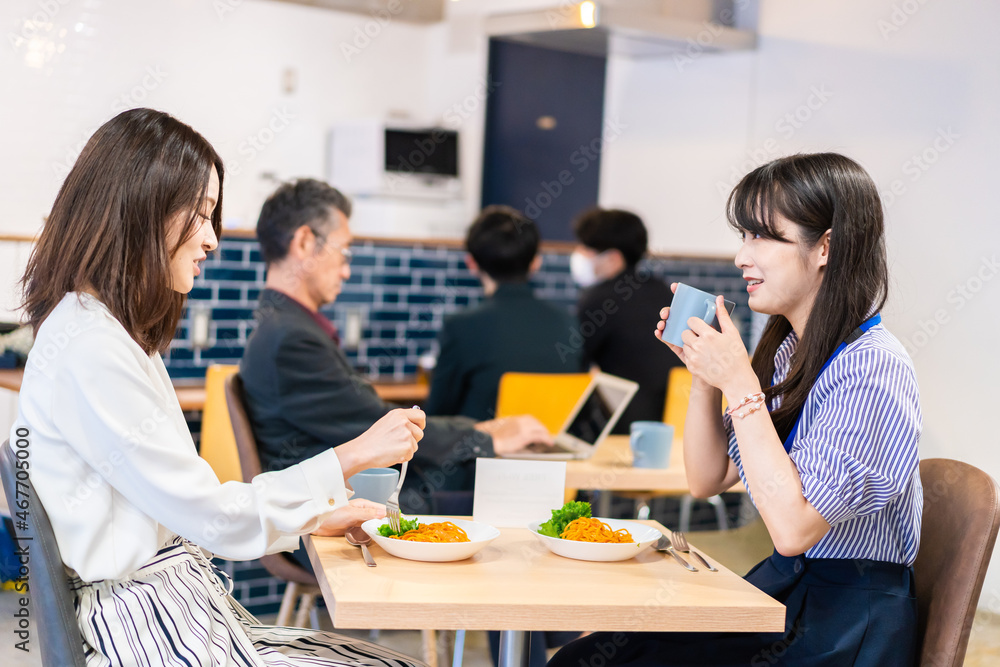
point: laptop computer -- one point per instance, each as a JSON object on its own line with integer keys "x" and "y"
{"x": 590, "y": 421}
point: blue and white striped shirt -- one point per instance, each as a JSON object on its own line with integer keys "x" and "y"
{"x": 856, "y": 449}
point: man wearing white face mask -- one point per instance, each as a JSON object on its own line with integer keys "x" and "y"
{"x": 618, "y": 302}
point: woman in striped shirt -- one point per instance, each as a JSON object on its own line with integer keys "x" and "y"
{"x": 823, "y": 429}
{"x": 112, "y": 460}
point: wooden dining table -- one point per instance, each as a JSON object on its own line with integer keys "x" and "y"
{"x": 610, "y": 469}
{"x": 516, "y": 585}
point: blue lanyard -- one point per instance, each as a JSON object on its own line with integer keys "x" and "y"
{"x": 856, "y": 334}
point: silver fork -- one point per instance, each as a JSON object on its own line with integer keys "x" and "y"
{"x": 392, "y": 504}
{"x": 681, "y": 544}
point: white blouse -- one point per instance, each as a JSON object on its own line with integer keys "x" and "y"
{"x": 113, "y": 463}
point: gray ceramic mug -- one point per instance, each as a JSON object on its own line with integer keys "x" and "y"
{"x": 374, "y": 484}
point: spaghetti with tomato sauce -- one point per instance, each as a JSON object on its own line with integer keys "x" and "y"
{"x": 445, "y": 531}
{"x": 587, "y": 529}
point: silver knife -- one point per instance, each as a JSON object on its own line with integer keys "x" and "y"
{"x": 663, "y": 544}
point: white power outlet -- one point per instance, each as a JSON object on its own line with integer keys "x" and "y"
{"x": 352, "y": 329}
{"x": 201, "y": 317}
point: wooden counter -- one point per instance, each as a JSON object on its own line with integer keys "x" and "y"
{"x": 191, "y": 393}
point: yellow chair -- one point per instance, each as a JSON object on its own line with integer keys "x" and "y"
{"x": 549, "y": 397}
{"x": 218, "y": 445}
{"x": 675, "y": 413}
{"x": 678, "y": 395}
{"x": 219, "y": 448}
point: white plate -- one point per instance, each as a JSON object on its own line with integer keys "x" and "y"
{"x": 644, "y": 536}
{"x": 480, "y": 534}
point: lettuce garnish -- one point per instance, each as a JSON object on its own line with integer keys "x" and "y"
{"x": 561, "y": 518}
{"x": 405, "y": 525}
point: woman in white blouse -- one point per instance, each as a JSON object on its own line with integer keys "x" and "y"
{"x": 112, "y": 459}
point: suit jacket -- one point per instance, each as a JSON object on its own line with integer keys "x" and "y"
{"x": 510, "y": 331}
{"x": 617, "y": 320}
{"x": 303, "y": 397}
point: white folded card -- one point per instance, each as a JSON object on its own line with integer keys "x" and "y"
{"x": 512, "y": 494}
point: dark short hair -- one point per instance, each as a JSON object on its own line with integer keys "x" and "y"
{"x": 109, "y": 224}
{"x": 503, "y": 242}
{"x": 305, "y": 201}
{"x": 613, "y": 229}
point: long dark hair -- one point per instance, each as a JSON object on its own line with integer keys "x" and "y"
{"x": 109, "y": 223}
{"x": 817, "y": 192}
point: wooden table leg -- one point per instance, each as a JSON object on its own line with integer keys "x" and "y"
{"x": 429, "y": 638}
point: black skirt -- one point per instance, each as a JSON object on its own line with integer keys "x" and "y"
{"x": 838, "y": 613}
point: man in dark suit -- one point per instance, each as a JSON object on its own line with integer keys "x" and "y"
{"x": 511, "y": 330}
{"x": 302, "y": 395}
{"x": 619, "y": 302}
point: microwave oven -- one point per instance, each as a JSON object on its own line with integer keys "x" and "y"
{"x": 376, "y": 158}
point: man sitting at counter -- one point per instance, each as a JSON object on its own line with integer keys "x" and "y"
{"x": 302, "y": 394}
{"x": 510, "y": 331}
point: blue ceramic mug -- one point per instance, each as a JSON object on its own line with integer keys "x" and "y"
{"x": 690, "y": 302}
{"x": 651, "y": 443}
{"x": 374, "y": 484}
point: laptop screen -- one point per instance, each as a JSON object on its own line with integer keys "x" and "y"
{"x": 596, "y": 411}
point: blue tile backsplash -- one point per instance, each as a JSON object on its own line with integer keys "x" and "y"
{"x": 401, "y": 293}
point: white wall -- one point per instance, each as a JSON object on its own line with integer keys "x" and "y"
{"x": 73, "y": 64}
{"x": 222, "y": 72}
{"x": 689, "y": 129}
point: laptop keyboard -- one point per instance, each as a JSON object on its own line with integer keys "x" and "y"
{"x": 542, "y": 448}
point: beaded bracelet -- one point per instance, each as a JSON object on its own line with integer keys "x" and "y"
{"x": 753, "y": 401}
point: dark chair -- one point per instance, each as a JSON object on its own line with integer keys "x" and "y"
{"x": 59, "y": 638}
{"x": 301, "y": 583}
{"x": 959, "y": 530}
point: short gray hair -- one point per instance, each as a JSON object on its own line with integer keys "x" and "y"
{"x": 305, "y": 201}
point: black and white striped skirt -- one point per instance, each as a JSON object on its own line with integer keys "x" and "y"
{"x": 175, "y": 611}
